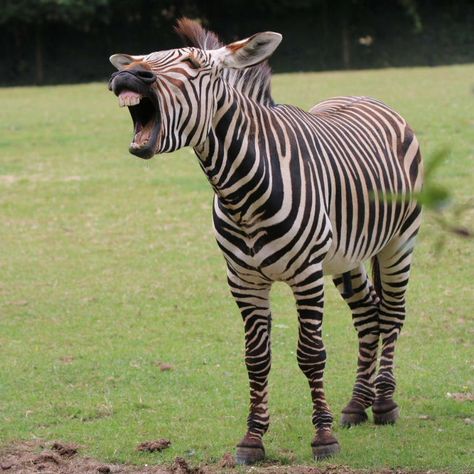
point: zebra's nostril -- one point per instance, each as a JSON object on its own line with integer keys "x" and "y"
{"x": 146, "y": 76}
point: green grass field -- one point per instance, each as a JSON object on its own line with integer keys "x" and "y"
{"x": 108, "y": 266}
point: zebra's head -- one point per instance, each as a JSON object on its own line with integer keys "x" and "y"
{"x": 172, "y": 95}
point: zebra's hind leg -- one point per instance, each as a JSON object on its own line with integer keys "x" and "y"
{"x": 253, "y": 302}
{"x": 361, "y": 297}
{"x": 391, "y": 274}
{"x": 309, "y": 294}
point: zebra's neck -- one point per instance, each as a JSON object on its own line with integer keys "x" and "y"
{"x": 236, "y": 156}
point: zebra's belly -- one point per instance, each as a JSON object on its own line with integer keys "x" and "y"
{"x": 337, "y": 264}
{"x": 278, "y": 270}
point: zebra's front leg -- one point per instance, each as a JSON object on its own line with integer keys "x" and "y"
{"x": 253, "y": 301}
{"x": 308, "y": 289}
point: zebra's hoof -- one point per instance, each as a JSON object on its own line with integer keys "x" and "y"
{"x": 324, "y": 451}
{"x": 324, "y": 445}
{"x": 353, "y": 414}
{"x": 384, "y": 416}
{"x": 352, "y": 419}
{"x": 247, "y": 456}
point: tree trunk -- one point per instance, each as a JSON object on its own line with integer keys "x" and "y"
{"x": 345, "y": 43}
{"x": 39, "y": 64}
{"x": 324, "y": 34}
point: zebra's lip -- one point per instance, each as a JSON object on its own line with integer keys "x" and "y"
{"x": 146, "y": 127}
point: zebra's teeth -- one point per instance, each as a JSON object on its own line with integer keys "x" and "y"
{"x": 129, "y": 98}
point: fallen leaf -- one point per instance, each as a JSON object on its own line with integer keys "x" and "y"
{"x": 164, "y": 366}
{"x": 461, "y": 397}
{"x": 89, "y": 299}
{"x": 19, "y": 303}
{"x": 424, "y": 417}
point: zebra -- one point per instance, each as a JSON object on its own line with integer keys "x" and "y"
{"x": 297, "y": 195}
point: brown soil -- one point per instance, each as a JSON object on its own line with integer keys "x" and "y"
{"x": 61, "y": 458}
{"x": 67, "y": 450}
{"x": 156, "y": 445}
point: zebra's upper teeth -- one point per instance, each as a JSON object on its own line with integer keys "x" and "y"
{"x": 129, "y": 98}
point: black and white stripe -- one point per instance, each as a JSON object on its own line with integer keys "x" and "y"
{"x": 298, "y": 195}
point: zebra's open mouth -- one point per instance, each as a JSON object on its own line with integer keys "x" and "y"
{"x": 146, "y": 122}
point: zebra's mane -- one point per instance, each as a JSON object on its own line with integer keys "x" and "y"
{"x": 253, "y": 81}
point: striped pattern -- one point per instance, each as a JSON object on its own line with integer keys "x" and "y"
{"x": 298, "y": 195}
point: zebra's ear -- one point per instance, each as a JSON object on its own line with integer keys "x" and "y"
{"x": 120, "y": 61}
{"x": 248, "y": 52}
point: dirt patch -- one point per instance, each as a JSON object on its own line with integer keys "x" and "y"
{"x": 180, "y": 466}
{"x": 34, "y": 457}
{"x": 152, "y": 446}
{"x": 64, "y": 449}
{"x": 227, "y": 461}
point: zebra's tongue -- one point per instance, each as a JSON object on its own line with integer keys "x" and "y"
{"x": 129, "y": 98}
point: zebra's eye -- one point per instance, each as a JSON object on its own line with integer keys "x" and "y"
{"x": 192, "y": 61}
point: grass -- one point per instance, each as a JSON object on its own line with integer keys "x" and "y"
{"x": 108, "y": 266}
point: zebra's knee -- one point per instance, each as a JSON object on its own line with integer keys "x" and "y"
{"x": 312, "y": 360}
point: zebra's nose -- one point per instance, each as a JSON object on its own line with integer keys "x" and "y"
{"x": 144, "y": 75}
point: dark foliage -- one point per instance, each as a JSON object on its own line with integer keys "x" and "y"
{"x": 50, "y": 41}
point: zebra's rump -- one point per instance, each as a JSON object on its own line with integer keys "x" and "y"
{"x": 373, "y": 171}
{"x": 367, "y": 120}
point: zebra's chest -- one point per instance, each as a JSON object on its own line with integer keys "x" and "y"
{"x": 267, "y": 251}
{"x": 264, "y": 256}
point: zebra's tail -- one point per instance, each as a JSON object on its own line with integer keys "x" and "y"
{"x": 376, "y": 280}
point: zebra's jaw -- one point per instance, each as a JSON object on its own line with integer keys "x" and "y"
{"x": 135, "y": 90}
{"x": 146, "y": 122}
